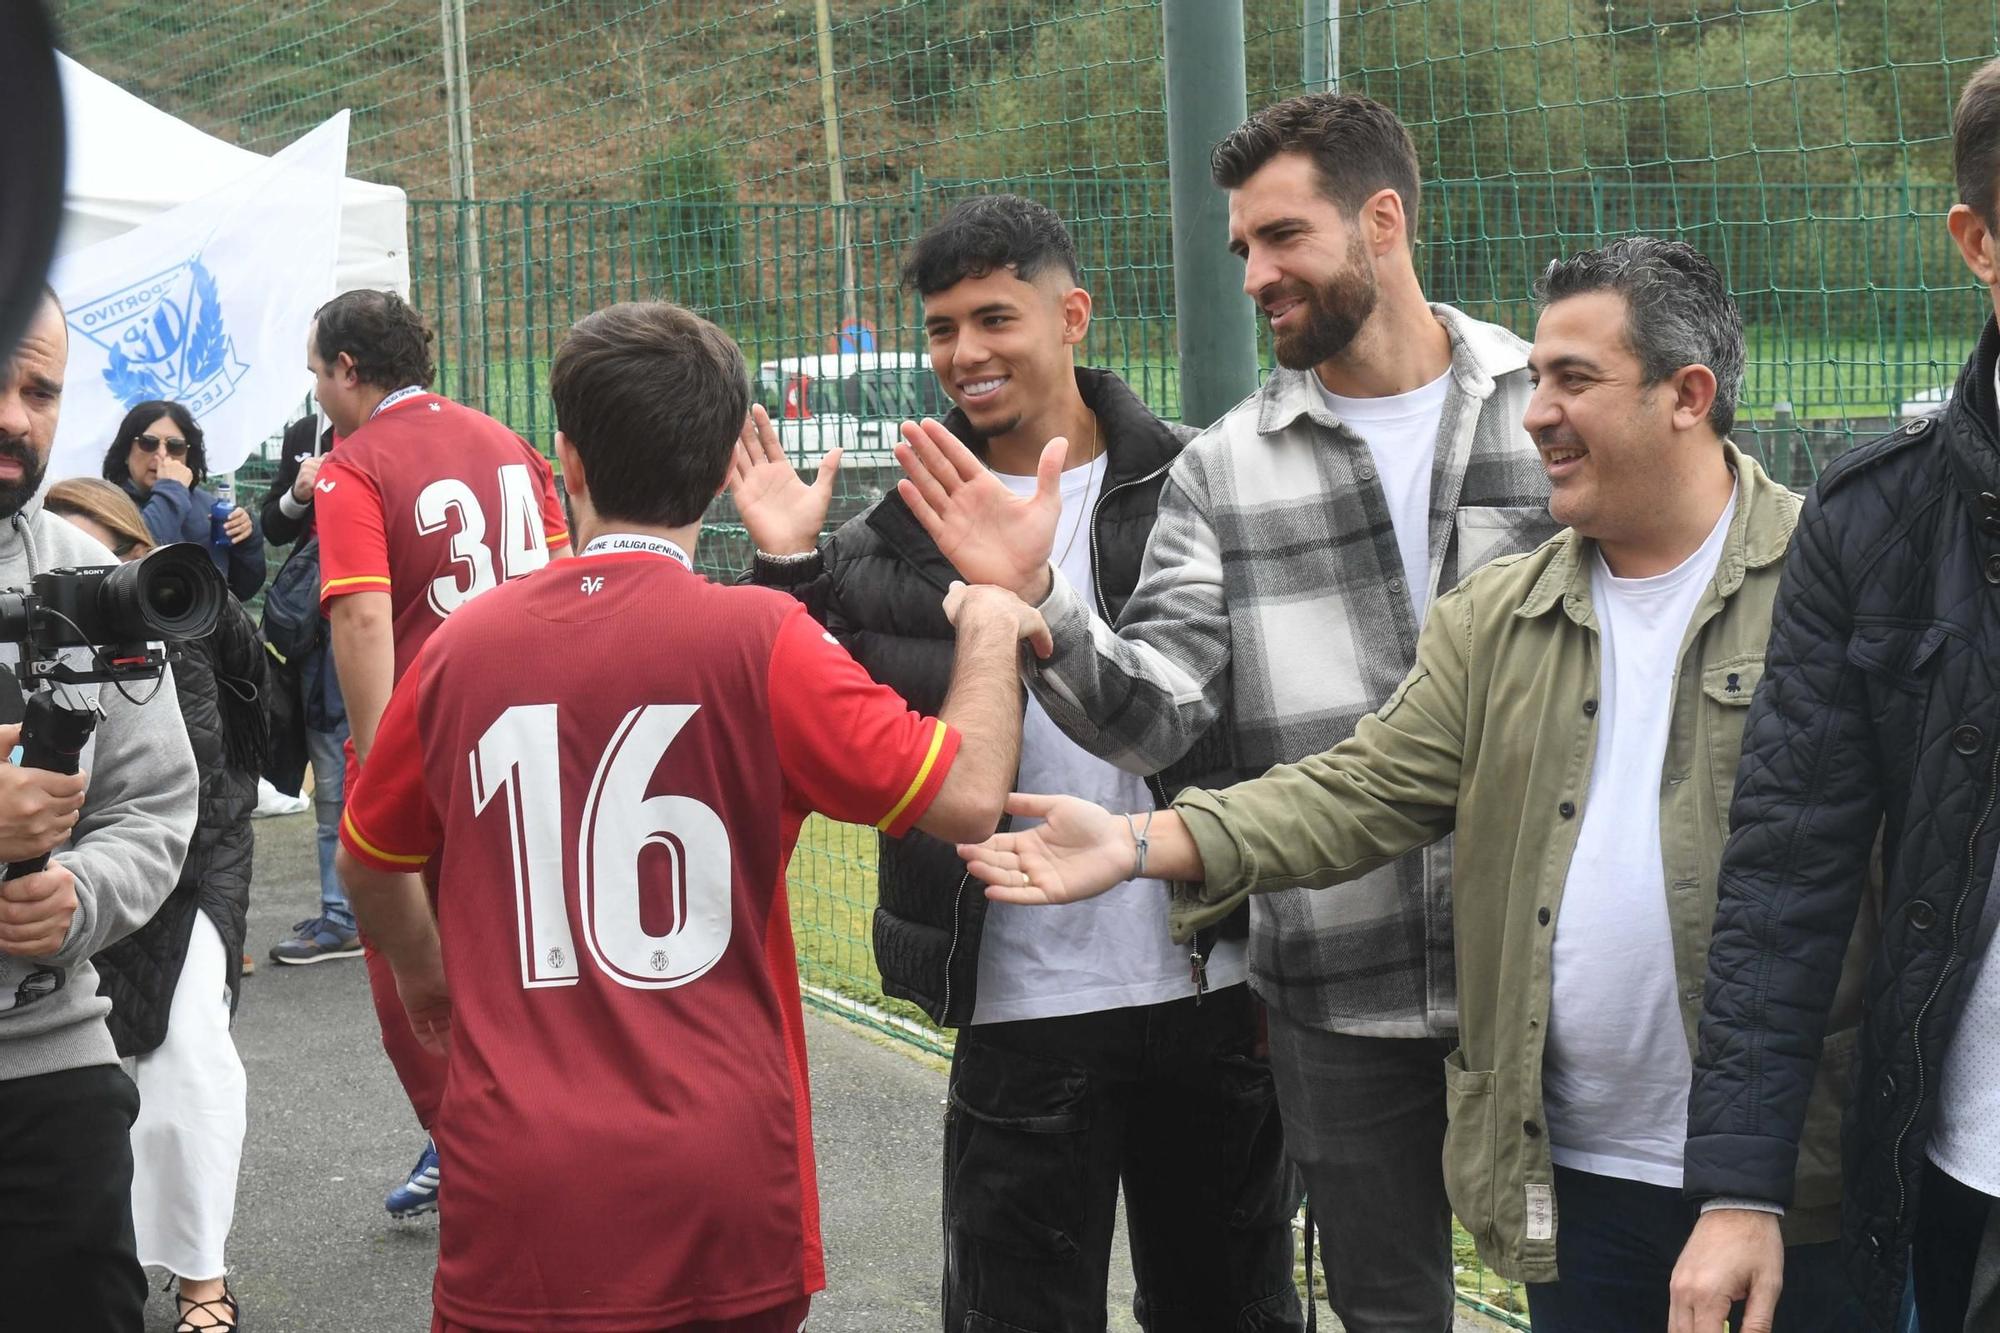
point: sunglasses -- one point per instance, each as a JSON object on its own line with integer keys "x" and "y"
{"x": 176, "y": 446}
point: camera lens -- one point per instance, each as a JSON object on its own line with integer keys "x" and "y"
{"x": 173, "y": 592}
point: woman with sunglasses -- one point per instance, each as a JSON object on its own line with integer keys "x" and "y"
{"x": 157, "y": 457}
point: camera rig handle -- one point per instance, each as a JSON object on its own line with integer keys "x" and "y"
{"x": 53, "y": 735}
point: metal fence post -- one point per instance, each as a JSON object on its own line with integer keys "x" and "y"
{"x": 1205, "y": 100}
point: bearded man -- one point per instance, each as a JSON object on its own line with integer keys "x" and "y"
{"x": 1299, "y": 543}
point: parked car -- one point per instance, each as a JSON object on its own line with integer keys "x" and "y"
{"x": 849, "y": 400}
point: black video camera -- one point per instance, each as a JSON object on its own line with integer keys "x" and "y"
{"x": 117, "y": 612}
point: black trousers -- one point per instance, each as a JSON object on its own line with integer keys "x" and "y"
{"x": 1952, "y": 1219}
{"x": 1049, "y": 1116}
{"x": 67, "y": 1256}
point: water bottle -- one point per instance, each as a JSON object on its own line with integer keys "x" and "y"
{"x": 219, "y": 512}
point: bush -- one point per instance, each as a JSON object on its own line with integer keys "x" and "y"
{"x": 692, "y": 215}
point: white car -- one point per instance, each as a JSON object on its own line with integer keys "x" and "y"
{"x": 849, "y": 400}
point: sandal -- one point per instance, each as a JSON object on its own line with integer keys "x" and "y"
{"x": 220, "y": 1312}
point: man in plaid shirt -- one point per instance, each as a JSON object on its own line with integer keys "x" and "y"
{"x": 1299, "y": 542}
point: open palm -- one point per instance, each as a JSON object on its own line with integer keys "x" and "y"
{"x": 1078, "y": 852}
{"x": 990, "y": 534}
{"x": 782, "y": 514}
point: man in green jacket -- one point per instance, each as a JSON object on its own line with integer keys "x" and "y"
{"x": 1575, "y": 716}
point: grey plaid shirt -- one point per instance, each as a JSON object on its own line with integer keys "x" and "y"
{"x": 1273, "y": 587}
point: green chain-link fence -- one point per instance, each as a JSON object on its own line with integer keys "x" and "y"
{"x": 768, "y": 161}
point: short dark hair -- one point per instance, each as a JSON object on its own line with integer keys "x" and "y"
{"x": 985, "y": 233}
{"x": 383, "y": 333}
{"x": 1975, "y": 142}
{"x": 1678, "y": 310}
{"x": 1358, "y": 145}
{"x": 652, "y": 396}
{"x": 118, "y": 455}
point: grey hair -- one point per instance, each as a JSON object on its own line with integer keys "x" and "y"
{"x": 1678, "y": 310}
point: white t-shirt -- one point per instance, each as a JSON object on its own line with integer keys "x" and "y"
{"x": 1401, "y": 433}
{"x": 1615, "y": 1071}
{"x": 1966, "y": 1146}
{"x": 1111, "y": 952}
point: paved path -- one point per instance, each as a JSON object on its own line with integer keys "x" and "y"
{"x": 330, "y": 1132}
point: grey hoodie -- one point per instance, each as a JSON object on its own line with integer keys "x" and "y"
{"x": 138, "y": 814}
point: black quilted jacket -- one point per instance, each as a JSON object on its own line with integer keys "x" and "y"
{"x": 1880, "y": 705}
{"x": 879, "y": 586}
{"x": 220, "y": 680}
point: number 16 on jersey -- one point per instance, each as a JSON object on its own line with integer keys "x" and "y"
{"x": 518, "y": 761}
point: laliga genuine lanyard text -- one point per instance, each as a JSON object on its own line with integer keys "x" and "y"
{"x": 638, "y": 541}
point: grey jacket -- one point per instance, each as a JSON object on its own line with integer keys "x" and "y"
{"x": 138, "y": 815}
{"x": 1273, "y": 588}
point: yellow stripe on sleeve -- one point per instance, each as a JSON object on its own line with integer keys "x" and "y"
{"x": 329, "y": 586}
{"x": 916, "y": 784}
{"x": 347, "y": 823}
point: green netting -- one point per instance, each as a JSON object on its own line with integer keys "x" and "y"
{"x": 768, "y": 161}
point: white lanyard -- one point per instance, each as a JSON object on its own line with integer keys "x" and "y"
{"x": 408, "y": 391}
{"x": 638, "y": 541}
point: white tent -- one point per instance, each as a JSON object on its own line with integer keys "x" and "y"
{"x": 129, "y": 161}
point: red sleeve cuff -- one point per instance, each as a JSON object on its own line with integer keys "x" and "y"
{"x": 924, "y": 787}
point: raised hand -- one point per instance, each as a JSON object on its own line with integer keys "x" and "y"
{"x": 1079, "y": 851}
{"x": 988, "y": 532}
{"x": 173, "y": 469}
{"x": 782, "y": 514}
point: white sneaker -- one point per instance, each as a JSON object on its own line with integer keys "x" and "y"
{"x": 271, "y": 801}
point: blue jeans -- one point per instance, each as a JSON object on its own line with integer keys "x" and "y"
{"x": 1616, "y": 1243}
{"x": 329, "y": 765}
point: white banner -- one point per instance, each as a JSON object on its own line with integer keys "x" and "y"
{"x": 208, "y": 305}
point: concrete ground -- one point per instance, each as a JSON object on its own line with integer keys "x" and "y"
{"x": 330, "y": 1133}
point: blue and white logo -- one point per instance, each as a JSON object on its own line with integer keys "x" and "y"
{"x": 165, "y": 339}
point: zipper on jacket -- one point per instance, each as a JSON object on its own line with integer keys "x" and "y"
{"x": 1951, "y": 956}
{"x": 951, "y": 949}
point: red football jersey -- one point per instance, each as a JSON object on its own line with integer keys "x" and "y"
{"x": 612, "y": 759}
{"x": 432, "y": 503}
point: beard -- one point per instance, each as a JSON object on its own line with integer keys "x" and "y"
{"x": 1335, "y": 311}
{"x": 14, "y": 495}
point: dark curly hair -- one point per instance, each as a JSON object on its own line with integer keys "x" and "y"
{"x": 134, "y": 425}
{"x": 989, "y": 232}
{"x": 384, "y": 335}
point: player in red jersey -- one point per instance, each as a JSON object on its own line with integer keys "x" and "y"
{"x": 614, "y": 757}
{"x": 422, "y": 505}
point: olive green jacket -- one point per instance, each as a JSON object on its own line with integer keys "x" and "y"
{"x": 1491, "y": 736}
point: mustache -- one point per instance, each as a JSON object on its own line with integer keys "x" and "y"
{"x": 17, "y": 447}
{"x": 1552, "y": 437}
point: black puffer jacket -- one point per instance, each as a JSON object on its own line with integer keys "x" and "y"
{"x": 1880, "y": 705}
{"x": 220, "y": 680}
{"x": 879, "y": 586}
